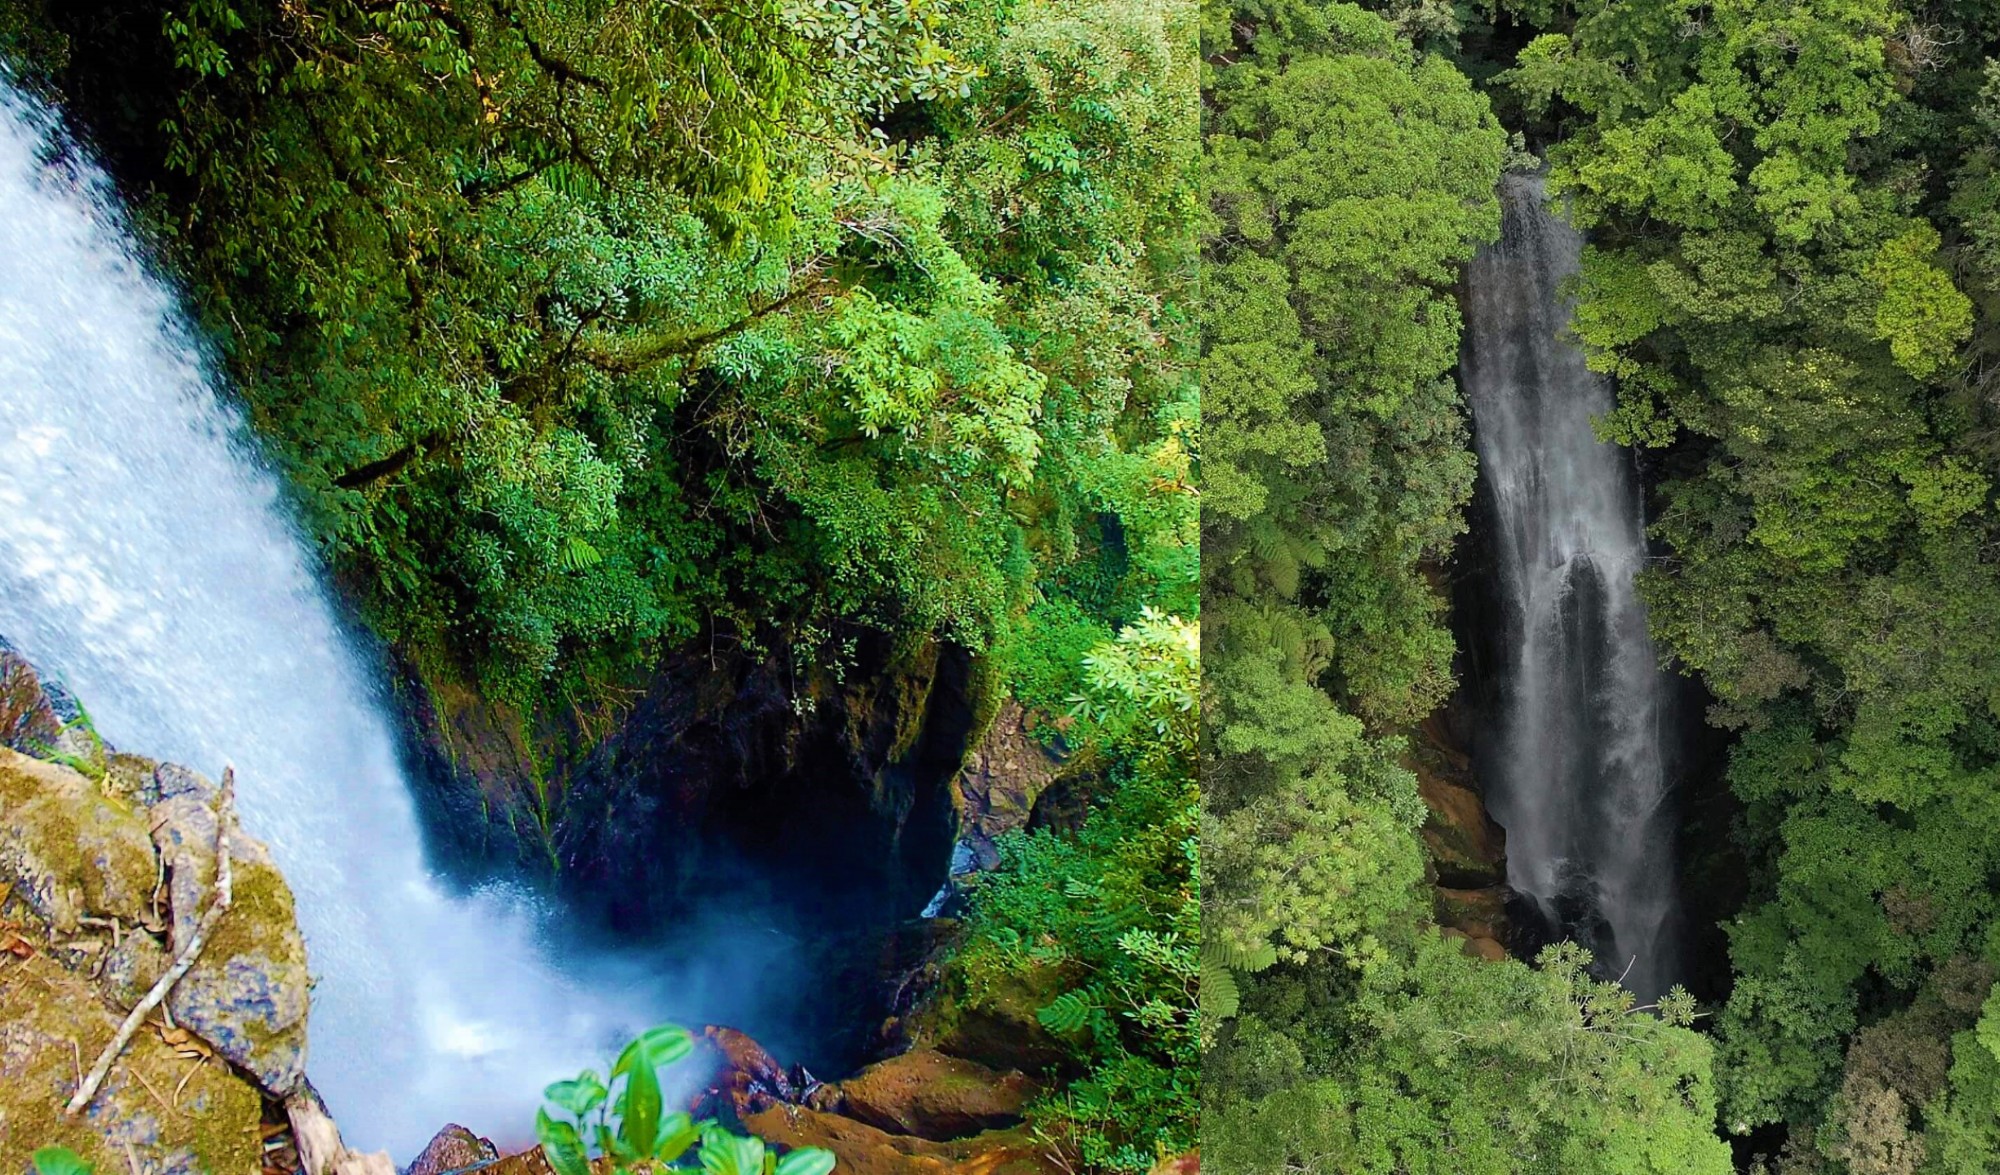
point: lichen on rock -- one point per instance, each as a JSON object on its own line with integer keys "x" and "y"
{"x": 175, "y": 1114}
{"x": 247, "y": 993}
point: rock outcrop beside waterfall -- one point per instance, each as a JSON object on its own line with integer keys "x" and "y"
{"x": 107, "y": 860}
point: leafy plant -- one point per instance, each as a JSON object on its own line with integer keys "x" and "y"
{"x": 1105, "y": 921}
{"x": 59, "y": 1160}
{"x": 624, "y": 1119}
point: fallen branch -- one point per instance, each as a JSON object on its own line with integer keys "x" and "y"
{"x": 318, "y": 1140}
{"x": 225, "y": 813}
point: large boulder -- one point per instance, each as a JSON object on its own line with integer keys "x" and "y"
{"x": 68, "y": 849}
{"x": 923, "y": 1113}
{"x": 862, "y": 1149}
{"x": 930, "y": 1095}
{"x": 452, "y": 1149}
{"x": 247, "y": 994}
{"x": 1002, "y": 1029}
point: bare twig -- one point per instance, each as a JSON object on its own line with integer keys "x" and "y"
{"x": 224, "y": 816}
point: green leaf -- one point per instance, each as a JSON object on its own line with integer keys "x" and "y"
{"x": 723, "y": 1153}
{"x": 677, "y": 1133}
{"x": 666, "y": 1043}
{"x": 1068, "y": 1013}
{"x": 560, "y": 1145}
{"x": 1219, "y": 995}
{"x": 578, "y": 1097}
{"x": 60, "y": 1160}
{"x": 577, "y": 554}
{"x": 639, "y": 1103}
{"x": 809, "y": 1160}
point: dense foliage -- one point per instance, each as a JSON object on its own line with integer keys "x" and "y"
{"x": 1349, "y": 174}
{"x": 623, "y": 1119}
{"x": 1108, "y": 922}
{"x": 1792, "y": 284}
{"x": 582, "y": 329}
{"x": 1792, "y": 278}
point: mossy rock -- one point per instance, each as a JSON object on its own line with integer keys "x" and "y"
{"x": 130, "y": 779}
{"x": 1000, "y": 1029}
{"x": 930, "y": 1095}
{"x": 247, "y": 995}
{"x": 101, "y": 855}
{"x": 861, "y": 1149}
{"x": 172, "y": 1114}
{"x": 69, "y": 850}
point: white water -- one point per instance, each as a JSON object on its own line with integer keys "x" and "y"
{"x": 148, "y": 563}
{"x": 1581, "y": 782}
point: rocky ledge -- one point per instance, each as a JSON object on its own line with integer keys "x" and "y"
{"x": 922, "y": 1113}
{"x": 107, "y": 862}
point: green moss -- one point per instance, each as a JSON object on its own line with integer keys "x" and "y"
{"x": 127, "y": 778}
{"x": 176, "y": 1113}
{"x": 68, "y": 846}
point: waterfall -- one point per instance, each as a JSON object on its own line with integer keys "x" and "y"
{"x": 149, "y": 564}
{"x": 1578, "y": 775}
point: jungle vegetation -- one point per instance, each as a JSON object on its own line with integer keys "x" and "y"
{"x": 1792, "y": 278}
{"x": 588, "y": 329}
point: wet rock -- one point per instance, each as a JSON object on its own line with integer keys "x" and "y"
{"x": 172, "y": 781}
{"x": 745, "y": 1069}
{"x": 1468, "y": 849}
{"x": 930, "y": 1095}
{"x": 28, "y": 722}
{"x": 1479, "y": 946}
{"x": 247, "y": 995}
{"x": 1002, "y": 778}
{"x": 861, "y": 1149}
{"x": 1479, "y": 916}
{"x": 1001, "y": 1031}
{"x": 1480, "y": 913}
{"x": 450, "y": 1149}
{"x": 172, "y": 1114}
{"x": 317, "y": 1139}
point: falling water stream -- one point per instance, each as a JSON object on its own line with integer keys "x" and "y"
{"x": 1580, "y": 777}
{"x": 148, "y": 562}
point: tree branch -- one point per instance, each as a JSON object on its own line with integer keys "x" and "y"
{"x": 630, "y": 360}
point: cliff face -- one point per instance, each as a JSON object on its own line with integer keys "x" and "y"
{"x": 107, "y": 861}
{"x": 798, "y": 772}
{"x": 761, "y": 792}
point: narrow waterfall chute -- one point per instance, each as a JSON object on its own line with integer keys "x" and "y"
{"x": 1578, "y": 770}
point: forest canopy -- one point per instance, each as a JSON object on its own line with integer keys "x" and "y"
{"x": 1790, "y": 279}
{"x": 585, "y": 328}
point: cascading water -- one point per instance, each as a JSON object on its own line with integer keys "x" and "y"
{"x": 148, "y": 563}
{"x": 1579, "y": 776}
